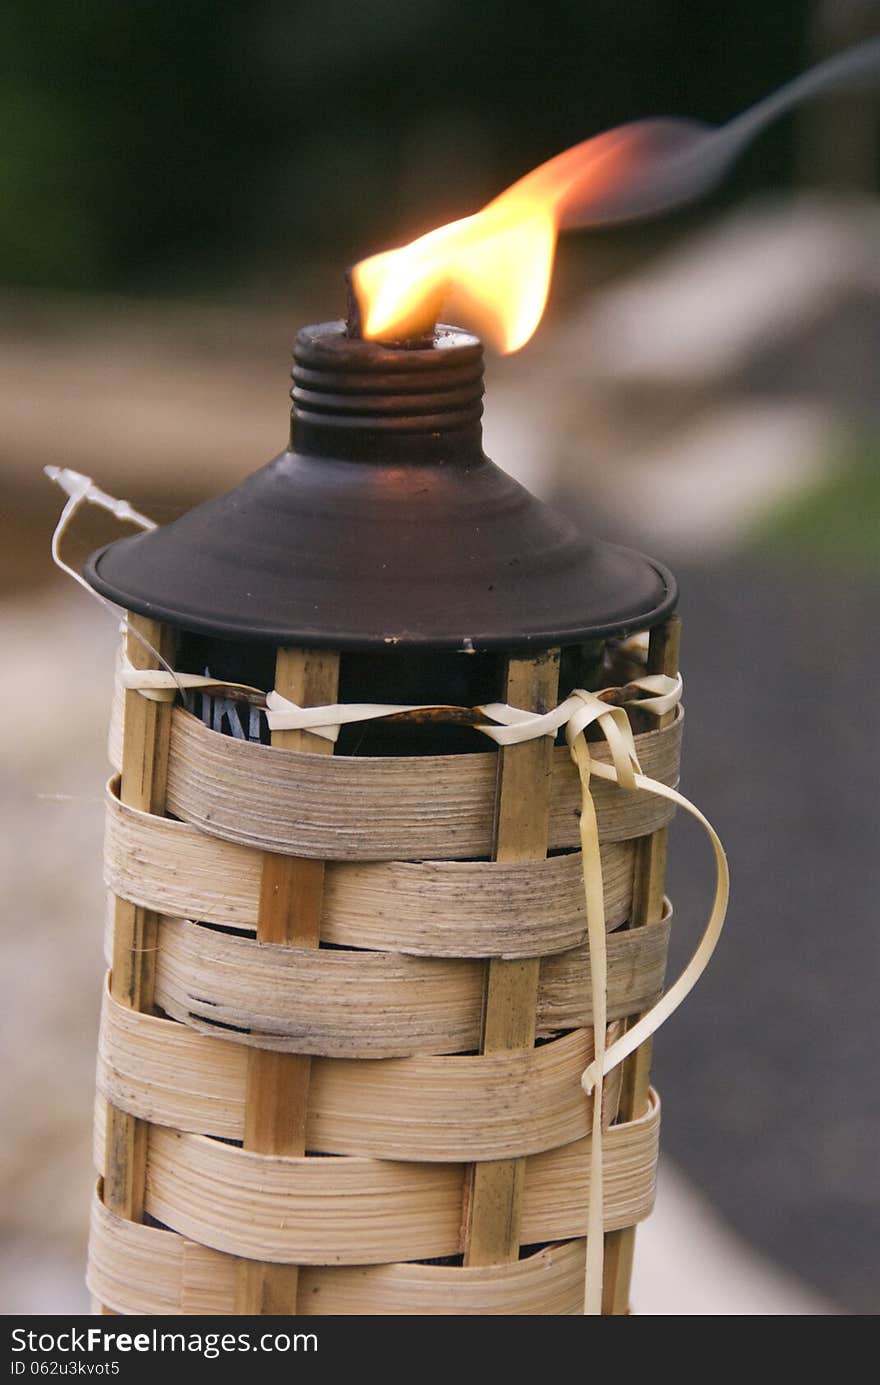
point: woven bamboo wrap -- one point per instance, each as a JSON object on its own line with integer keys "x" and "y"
{"x": 391, "y": 1014}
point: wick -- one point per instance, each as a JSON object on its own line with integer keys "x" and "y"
{"x": 353, "y": 324}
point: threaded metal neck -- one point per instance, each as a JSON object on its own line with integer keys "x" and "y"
{"x": 344, "y": 386}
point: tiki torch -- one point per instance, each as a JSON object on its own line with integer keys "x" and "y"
{"x": 348, "y": 1005}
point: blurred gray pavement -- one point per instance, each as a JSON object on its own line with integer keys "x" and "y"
{"x": 769, "y": 1071}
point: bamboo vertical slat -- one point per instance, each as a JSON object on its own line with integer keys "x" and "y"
{"x": 650, "y": 872}
{"x": 144, "y": 769}
{"x": 494, "y": 1189}
{"x": 291, "y": 891}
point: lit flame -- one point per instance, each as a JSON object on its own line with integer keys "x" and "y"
{"x": 494, "y": 267}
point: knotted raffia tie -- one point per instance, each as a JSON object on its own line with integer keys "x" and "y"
{"x": 510, "y": 726}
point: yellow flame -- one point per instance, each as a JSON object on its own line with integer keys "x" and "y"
{"x": 493, "y": 268}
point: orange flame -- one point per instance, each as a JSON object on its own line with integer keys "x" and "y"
{"x": 494, "y": 268}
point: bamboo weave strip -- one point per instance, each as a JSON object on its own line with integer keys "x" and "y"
{"x": 383, "y": 808}
{"x": 351, "y": 1004}
{"x": 145, "y": 1270}
{"x": 324, "y": 1210}
{"x": 429, "y": 908}
{"x": 451, "y": 1109}
{"x": 438, "y": 806}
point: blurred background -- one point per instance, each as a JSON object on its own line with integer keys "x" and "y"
{"x": 181, "y": 187}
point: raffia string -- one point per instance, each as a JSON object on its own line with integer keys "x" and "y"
{"x": 507, "y": 726}
{"x": 80, "y": 489}
{"x": 627, "y": 773}
{"x": 159, "y": 686}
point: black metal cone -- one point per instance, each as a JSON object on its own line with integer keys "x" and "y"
{"x": 384, "y": 525}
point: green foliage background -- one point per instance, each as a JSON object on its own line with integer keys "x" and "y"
{"x": 146, "y": 144}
